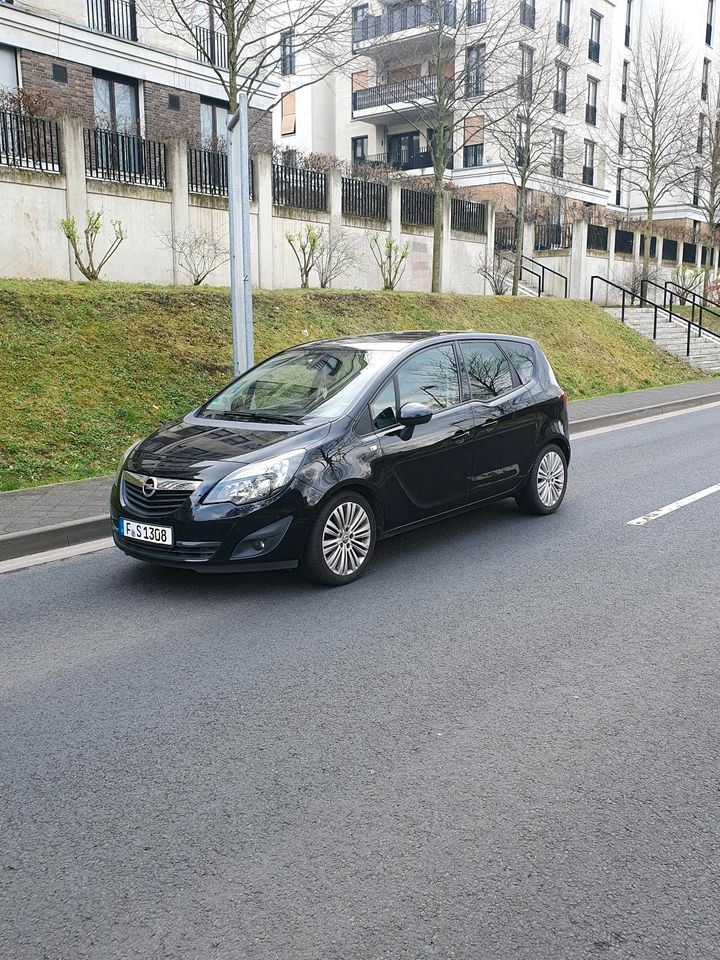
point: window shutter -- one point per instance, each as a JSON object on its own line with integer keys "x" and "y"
{"x": 8, "y": 68}
{"x": 287, "y": 105}
{"x": 474, "y": 130}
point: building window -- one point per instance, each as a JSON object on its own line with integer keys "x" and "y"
{"x": 628, "y": 22}
{"x": 621, "y": 134}
{"x": 710, "y": 22}
{"x": 701, "y": 134}
{"x": 115, "y": 103}
{"x": 475, "y": 70}
{"x": 563, "y": 24}
{"x": 522, "y": 156}
{"x": 594, "y": 42}
{"x": 561, "y": 79}
{"x": 476, "y": 12}
{"x": 8, "y": 68}
{"x": 474, "y": 142}
{"x": 705, "y": 85}
{"x": 527, "y": 13}
{"x": 618, "y": 188}
{"x": 525, "y": 80}
{"x": 588, "y": 176}
{"x": 173, "y": 101}
{"x": 625, "y": 79}
{"x": 59, "y": 73}
{"x": 213, "y": 123}
{"x": 287, "y": 113}
{"x": 557, "y": 162}
{"x": 358, "y": 148}
{"x": 591, "y": 105}
{"x": 287, "y": 54}
{"x": 360, "y": 23}
{"x": 696, "y": 187}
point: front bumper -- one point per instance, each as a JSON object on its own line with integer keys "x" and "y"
{"x": 270, "y": 535}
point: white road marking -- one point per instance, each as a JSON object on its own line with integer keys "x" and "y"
{"x": 574, "y": 437}
{"x": 672, "y": 507}
{"x": 62, "y": 553}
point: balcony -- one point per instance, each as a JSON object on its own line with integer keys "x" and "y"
{"x": 527, "y": 15}
{"x": 591, "y": 115}
{"x": 560, "y": 102}
{"x": 401, "y": 18}
{"x": 402, "y": 91}
{"x": 563, "y": 34}
{"x": 116, "y": 17}
{"x": 594, "y": 51}
{"x": 588, "y": 176}
{"x": 210, "y": 47}
{"x": 405, "y": 159}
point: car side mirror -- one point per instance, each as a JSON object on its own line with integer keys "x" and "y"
{"x": 413, "y": 415}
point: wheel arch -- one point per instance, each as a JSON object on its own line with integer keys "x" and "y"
{"x": 366, "y": 491}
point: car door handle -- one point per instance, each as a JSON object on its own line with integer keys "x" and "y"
{"x": 488, "y": 425}
{"x": 460, "y": 436}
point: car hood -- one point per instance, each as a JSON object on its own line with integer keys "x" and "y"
{"x": 196, "y": 447}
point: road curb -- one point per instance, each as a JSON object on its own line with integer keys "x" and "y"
{"x": 578, "y": 427}
{"x": 26, "y": 542}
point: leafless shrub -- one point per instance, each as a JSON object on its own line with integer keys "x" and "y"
{"x": 336, "y": 257}
{"x": 198, "y": 252}
{"x": 87, "y": 266}
{"x": 498, "y": 272}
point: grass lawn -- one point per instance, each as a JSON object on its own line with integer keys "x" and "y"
{"x": 86, "y": 368}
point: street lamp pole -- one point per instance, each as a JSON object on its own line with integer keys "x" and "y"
{"x": 239, "y": 216}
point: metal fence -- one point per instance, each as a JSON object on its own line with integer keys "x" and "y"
{"x": 506, "y": 237}
{"x": 597, "y": 238}
{"x": 469, "y": 216}
{"x": 29, "y": 142}
{"x": 417, "y": 207}
{"x": 298, "y": 187}
{"x": 364, "y": 198}
{"x": 124, "y": 157}
{"x": 207, "y": 172}
{"x": 624, "y": 241}
{"x": 553, "y": 236}
{"x": 117, "y": 17}
{"x": 211, "y": 47}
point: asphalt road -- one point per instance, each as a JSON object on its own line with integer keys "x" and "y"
{"x": 501, "y": 743}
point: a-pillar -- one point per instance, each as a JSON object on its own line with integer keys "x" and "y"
{"x": 177, "y": 179}
{"x": 265, "y": 247}
{"x": 72, "y": 164}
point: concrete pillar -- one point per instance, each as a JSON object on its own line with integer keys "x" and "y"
{"x": 489, "y": 243}
{"x": 446, "y": 245}
{"x": 176, "y": 171}
{"x": 529, "y": 242}
{"x": 72, "y": 162}
{"x": 612, "y": 230}
{"x": 335, "y": 198}
{"x": 266, "y": 249}
{"x": 579, "y": 277}
{"x": 637, "y": 237}
{"x": 394, "y": 204}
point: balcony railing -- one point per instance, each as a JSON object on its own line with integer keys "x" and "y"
{"x": 594, "y": 51}
{"x": 591, "y": 114}
{"x": 560, "y": 101}
{"x": 588, "y": 176}
{"x": 527, "y": 15}
{"x": 473, "y": 155}
{"x": 402, "y": 91}
{"x": 124, "y": 157}
{"x": 395, "y": 20}
{"x": 553, "y": 236}
{"x": 28, "y": 142}
{"x": 469, "y": 216}
{"x": 476, "y": 12}
{"x": 557, "y": 166}
{"x": 404, "y": 159}
{"x": 116, "y": 17}
{"x": 211, "y": 47}
{"x": 563, "y": 34}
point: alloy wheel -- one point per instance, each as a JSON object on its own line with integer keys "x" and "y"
{"x": 550, "y": 478}
{"x": 346, "y": 538}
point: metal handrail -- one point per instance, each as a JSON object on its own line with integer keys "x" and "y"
{"x": 656, "y": 306}
{"x": 686, "y": 295}
{"x": 555, "y": 273}
{"x": 533, "y": 272}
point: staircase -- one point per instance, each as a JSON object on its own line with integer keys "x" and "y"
{"x": 672, "y": 337}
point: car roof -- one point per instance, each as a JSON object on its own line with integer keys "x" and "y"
{"x": 400, "y": 340}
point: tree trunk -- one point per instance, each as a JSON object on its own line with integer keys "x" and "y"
{"x": 437, "y": 232}
{"x": 519, "y": 237}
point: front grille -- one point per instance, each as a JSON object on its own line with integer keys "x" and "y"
{"x": 161, "y": 504}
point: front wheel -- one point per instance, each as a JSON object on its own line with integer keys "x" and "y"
{"x": 545, "y": 489}
{"x": 341, "y": 542}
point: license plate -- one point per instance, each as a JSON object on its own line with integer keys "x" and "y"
{"x": 147, "y": 532}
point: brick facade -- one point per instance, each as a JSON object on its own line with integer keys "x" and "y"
{"x": 74, "y": 98}
{"x": 260, "y": 126}
{"x": 162, "y": 122}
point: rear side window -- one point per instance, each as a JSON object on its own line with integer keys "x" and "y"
{"x": 488, "y": 369}
{"x": 522, "y": 357}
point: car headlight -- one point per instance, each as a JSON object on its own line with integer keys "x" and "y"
{"x": 124, "y": 457}
{"x": 255, "y": 481}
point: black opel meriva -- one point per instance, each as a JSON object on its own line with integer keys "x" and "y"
{"x": 313, "y": 454}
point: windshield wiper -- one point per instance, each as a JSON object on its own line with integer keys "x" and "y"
{"x": 249, "y": 415}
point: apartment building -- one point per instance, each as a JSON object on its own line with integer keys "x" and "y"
{"x": 372, "y": 111}
{"x": 103, "y": 62}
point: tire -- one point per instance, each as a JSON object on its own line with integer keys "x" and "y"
{"x": 342, "y": 537}
{"x": 547, "y": 483}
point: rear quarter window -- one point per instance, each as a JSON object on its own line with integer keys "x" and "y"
{"x": 522, "y": 357}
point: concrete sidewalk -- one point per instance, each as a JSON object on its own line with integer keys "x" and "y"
{"x": 63, "y": 514}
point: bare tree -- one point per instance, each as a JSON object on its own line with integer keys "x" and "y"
{"x": 85, "y": 262}
{"x": 390, "y": 256}
{"x": 307, "y": 246}
{"x": 198, "y": 252}
{"x": 529, "y": 121}
{"x": 706, "y": 177}
{"x": 652, "y": 141}
{"x": 498, "y": 272}
{"x": 440, "y": 83}
{"x": 337, "y": 256}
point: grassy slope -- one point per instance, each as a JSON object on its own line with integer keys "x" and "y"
{"x": 87, "y": 368}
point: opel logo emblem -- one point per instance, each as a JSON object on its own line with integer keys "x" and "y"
{"x": 149, "y": 486}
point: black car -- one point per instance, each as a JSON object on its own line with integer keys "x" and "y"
{"x": 312, "y": 455}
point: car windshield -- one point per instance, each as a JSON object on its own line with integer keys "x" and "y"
{"x": 315, "y": 382}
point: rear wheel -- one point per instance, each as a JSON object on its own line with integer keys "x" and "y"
{"x": 341, "y": 542}
{"x": 546, "y": 484}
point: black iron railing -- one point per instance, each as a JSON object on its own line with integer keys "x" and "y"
{"x": 124, "y": 157}
{"x": 208, "y": 172}
{"x": 402, "y": 17}
{"x": 506, "y": 237}
{"x": 557, "y": 167}
{"x": 624, "y": 241}
{"x": 402, "y": 91}
{"x": 553, "y": 236}
{"x": 469, "y": 216}
{"x": 597, "y": 238}
{"x": 473, "y": 154}
{"x": 417, "y": 207}
{"x": 364, "y": 198}
{"x": 28, "y": 142}
{"x": 700, "y": 306}
{"x": 298, "y": 187}
{"x": 116, "y": 17}
{"x": 543, "y": 271}
{"x": 211, "y": 47}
